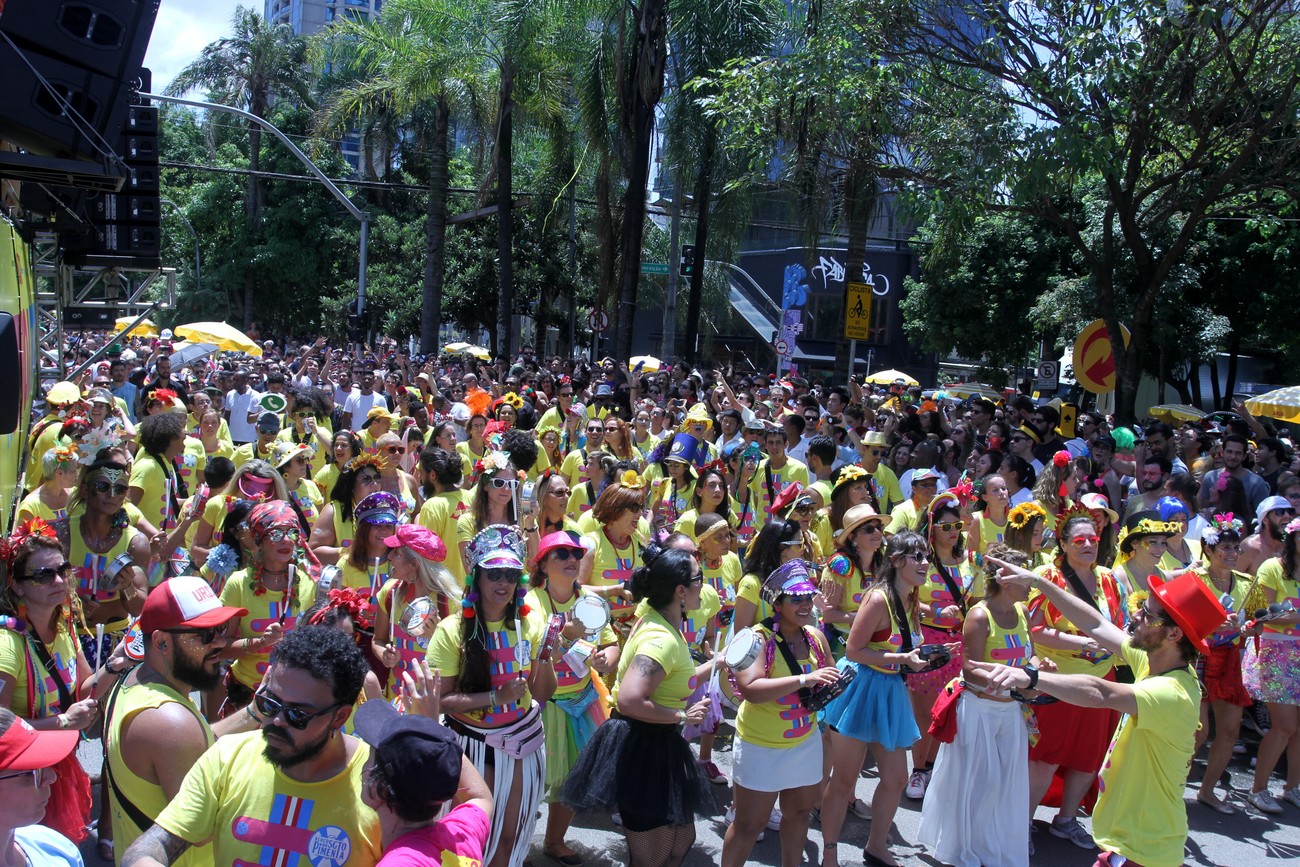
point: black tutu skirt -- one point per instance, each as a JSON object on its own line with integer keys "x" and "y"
{"x": 645, "y": 771}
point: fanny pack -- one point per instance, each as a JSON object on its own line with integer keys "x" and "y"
{"x": 576, "y": 706}
{"x": 518, "y": 740}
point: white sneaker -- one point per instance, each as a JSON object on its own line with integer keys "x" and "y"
{"x": 616, "y": 818}
{"x": 1292, "y": 796}
{"x": 774, "y": 820}
{"x": 916, "y": 785}
{"x": 1263, "y": 802}
{"x": 731, "y": 817}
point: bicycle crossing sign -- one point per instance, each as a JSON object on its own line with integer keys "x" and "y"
{"x": 857, "y": 311}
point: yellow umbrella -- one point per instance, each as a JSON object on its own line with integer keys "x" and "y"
{"x": 889, "y": 377}
{"x": 458, "y": 346}
{"x": 963, "y": 390}
{"x": 649, "y": 364}
{"x": 479, "y": 352}
{"x": 220, "y": 335}
{"x": 1282, "y": 404}
{"x": 146, "y": 328}
{"x": 1175, "y": 412}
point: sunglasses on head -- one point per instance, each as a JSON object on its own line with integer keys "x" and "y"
{"x": 270, "y": 707}
{"x": 567, "y": 553}
{"x": 103, "y": 487}
{"x": 207, "y": 635}
{"x": 48, "y": 574}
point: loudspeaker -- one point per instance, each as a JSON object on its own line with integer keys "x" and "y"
{"x": 108, "y": 37}
{"x": 88, "y": 52}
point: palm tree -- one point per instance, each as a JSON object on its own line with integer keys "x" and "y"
{"x": 257, "y": 64}
{"x": 414, "y": 62}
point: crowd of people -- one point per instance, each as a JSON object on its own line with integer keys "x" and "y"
{"x": 418, "y": 598}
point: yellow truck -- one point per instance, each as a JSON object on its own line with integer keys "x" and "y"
{"x": 18, "y": 364}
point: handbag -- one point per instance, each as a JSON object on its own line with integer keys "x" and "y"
{"x": 943, "y": 716}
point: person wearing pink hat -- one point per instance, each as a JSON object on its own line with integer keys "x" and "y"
{"x": 577, "y": 708}
{"x": 416, "y": 558}
{"x": 183, "y": 628}
{"x": 27, "y": 759}
{"x": 1140, "y": 816}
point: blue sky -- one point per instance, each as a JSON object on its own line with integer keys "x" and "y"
{"x": 182, "y": 29}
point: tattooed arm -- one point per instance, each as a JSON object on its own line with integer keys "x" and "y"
{"x": 636, "y": 691}
{"x": 155, "y": 848}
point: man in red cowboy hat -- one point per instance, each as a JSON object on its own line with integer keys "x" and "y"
{"x": 1140, "y": 819}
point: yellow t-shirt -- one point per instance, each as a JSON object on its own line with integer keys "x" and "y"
{"x": 440, "y": 514}
{"x": 317, "y": 459}
{"x": 325, "y": 478}
{"x": 1227, "y": 634}
{"x": 581, "y": 499}
{"x": 503, "y": 665}
{"x": 150, "y": 477}
{"x": 148, "y": 797}
{"x": 785, "y": 722}
{"x": 762, "y": 492}
{"x": 468, "y": 459}
{"x": 1272, "y": 577}
{"x": 263, "y": 610}
{"x": 934, "y": 592}
{"x": 675, "y": 501}
{"x": 1109, "y": 599}
{"x": 309, "y": 499}
{"x": 1174, "y": 566}
{"x": 1140, "y": 812}
{"x": 614, "y": 566}
{"x": 254, "y": 814}
{"x": 32, "y": 507}
{"x": 903, "y": 517}
{"x": 749, "y": 591}
{"x": 686, "y": 522}
{"x": 696, "y": 623}
{"x": 248, "y": 451}
{"x": 574, "y": 467}
{"x": 851, "y": 579}
{"x": 724, "y": 577}
{"x": 44, "y": 699}
{"x": 654, "y": 639}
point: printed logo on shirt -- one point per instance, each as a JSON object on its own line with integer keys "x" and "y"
{"x": 502, "y": 667}
{"x": 1013, "y": 651}
{"x": 799, "y": 721}
{"x": 287, "y": 839}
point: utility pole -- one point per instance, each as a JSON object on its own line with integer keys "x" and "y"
{"x": 669, "y": 341}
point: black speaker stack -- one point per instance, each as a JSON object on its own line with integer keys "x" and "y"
{"x": 72, "y": 71}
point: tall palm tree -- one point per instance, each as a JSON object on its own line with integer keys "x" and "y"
{"x": 250, "y": 69}
{"x": 412, "y": 61}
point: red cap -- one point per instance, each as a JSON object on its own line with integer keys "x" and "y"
{"x": 421, "y": 540}
{"x": 783, "y": 500}
{"x": 185, "y": 602}
{"x": 23, "y": 748}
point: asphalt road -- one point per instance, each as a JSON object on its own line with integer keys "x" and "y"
{"x": 1246, "y": 838}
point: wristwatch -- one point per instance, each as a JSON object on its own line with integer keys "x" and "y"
{"x": 1032, "y": 671}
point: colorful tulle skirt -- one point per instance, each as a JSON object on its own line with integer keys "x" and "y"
{"x": 874, "y": 708}
{"x": 1271, "y": 670}
{"x": 570, "y": 721}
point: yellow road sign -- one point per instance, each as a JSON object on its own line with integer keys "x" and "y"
{"x": 857, "y": 311}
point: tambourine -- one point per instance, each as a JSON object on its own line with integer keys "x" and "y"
{"x": 108, "y": 578}
{"x": 416, "y": 616}
{"x": 935, "y": 655}
{"x": 742, "y": 650}
{"x": 331, "y": 578}
{"x": 823, "y": 694}
{"x": 593, "y": 613}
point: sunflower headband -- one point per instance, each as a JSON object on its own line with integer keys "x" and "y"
{"x": 631, "y": 479}
{"x": 513, "y": 399}
{"x": 1021, "y": 516}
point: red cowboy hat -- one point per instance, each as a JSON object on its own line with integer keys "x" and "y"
{"x": 1192, "y": 606}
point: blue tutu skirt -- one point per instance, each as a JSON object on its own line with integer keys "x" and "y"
{"x": 875, "y": 708}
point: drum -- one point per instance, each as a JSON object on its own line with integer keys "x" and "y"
{"x": 331, "y": 578}
{"x": 593, "y": 613}
{"x": 108, "y": 578}
{"x": 741, "y": 651}
{"x": 416, "y": 616}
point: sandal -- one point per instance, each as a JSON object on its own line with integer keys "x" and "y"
{"x": 105, "y": 849}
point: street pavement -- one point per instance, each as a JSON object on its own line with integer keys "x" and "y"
{"x": 1246, "y": 838}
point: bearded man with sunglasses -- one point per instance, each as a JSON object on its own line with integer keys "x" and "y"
{"x": 291, "y": 793}
{"x": 184, "y": 629}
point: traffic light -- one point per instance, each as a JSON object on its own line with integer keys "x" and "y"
{"x": 356, "y": 328}
{"x": 686, "y": 267}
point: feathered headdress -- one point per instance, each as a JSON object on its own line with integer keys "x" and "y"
{"x": 26, "y": 530}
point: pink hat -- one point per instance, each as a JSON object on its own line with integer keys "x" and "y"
{"x": 421, "y": 540}
{"x": 185, "y": 602}
{"x": 558, "y": 539}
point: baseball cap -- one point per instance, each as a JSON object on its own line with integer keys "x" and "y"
{"x": 1272, "y": 504}
{"x": 268, "y": 422}
{"x": 23, "y": 748}
{"x": 604, "y": 391}
{"x": 185, "y": 602}
{"x": 421, "y": 540}
{"x": 420, "y": 758}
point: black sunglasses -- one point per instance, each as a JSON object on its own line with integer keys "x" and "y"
{"x": 48, "y": 574}
{"x": 206, "y": 635}
{"x": 270, "y": 707}
{"x": 103, "y": 487}
{"x": 567, "y": 553}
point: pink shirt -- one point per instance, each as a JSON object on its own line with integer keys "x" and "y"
{"x": 458, "y": 839}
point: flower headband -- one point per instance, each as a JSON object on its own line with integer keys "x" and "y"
{"x": 362, "y": 461}
{"x": 1021, "y": 516}
{"x": 343, "y": 599}
{"x": 1293, "y": 526}
{"x": 26, "y": 530}
{"x": 65, "y": 454}
{"x": 851, "y": 473}
{"x": 513, "y": 400}
{"x": 1220, "y": 523}
{"x": 95, "y": 441}
{"x": 631, "y": 479}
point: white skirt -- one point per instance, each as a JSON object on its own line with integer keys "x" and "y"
{"x": 976, "y": 808}
{"x": 775, "y": 769}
